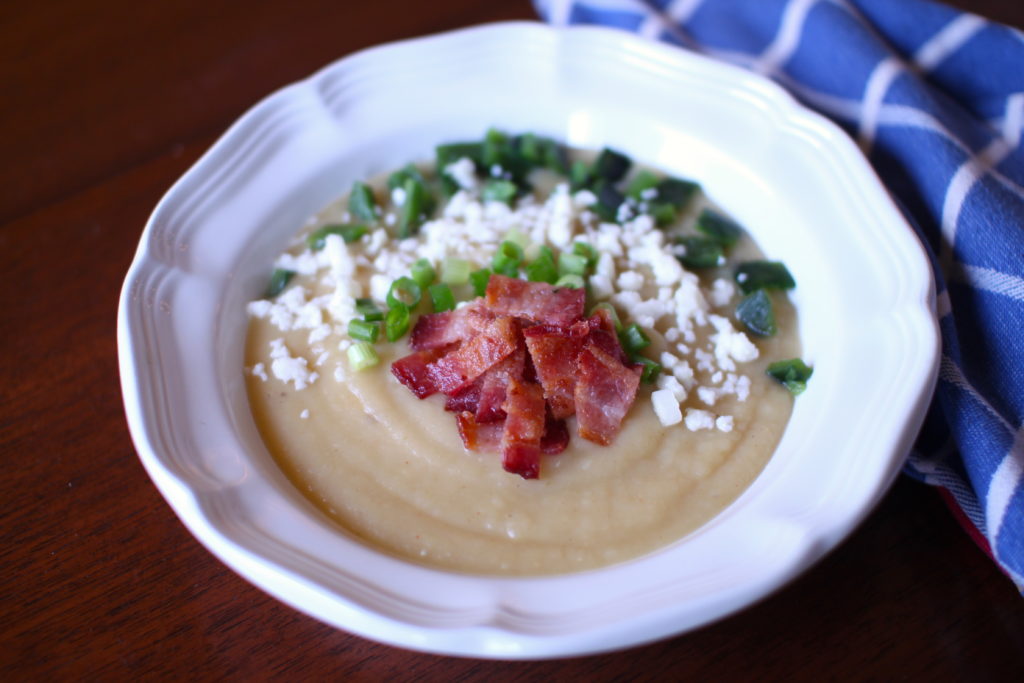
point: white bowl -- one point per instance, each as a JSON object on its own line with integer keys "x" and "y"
{"x": 804, "y": 191}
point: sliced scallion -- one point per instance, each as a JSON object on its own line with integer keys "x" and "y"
{"x": 363, "y": 330}
{"x": 754, "y": 275}
{"x": 413, "y": 211}
{"x": 643, "y": 180}
{"x": 608, "y": 201}
{"x": 404, "y": 291}
{"x": 755, "y": 311}
{"x": 396, "y": 322}
{"x": 362, "y": 356}
{"x": 479, "y": 280}
{"x": 570, "y": 280}
{"x": 349, "y": 232}
{"x": 663, "y": 213}
{"x": 423, "y": 273}
{"x": 633, "y": 339}
{"x": 496, "y": 190}
{"x": 792, "y": 373}
{"x": 572, "y": 264}
{"x": 361, "y": 203}
{"x": 542, "y": 268}
{"x": 650, "y": 371}
{"x": 507, "y": 258}
{"x": 455, "y": 271}
{"x": 586, "y": 250}
{"x": 279, "y": 279}
{"x": 369, "y": 310}
{"x": 677, "y": 192}
{"x": 441, "y": 297}
{"x": 579, "y": 175}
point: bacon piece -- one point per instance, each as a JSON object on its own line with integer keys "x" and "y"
{"x": 536, "y": 301}
{"x": 467, "y": 399}
{"x": 602, "y": 334}
{"x": 458, "y": 369}
{"x": 414, "y": 371}
{"x": 435, "y": 330}
{"x": 605, "y": 390}
{"x": 485, "y": 438}
{"x": 554, "y": 350}
{"x": 494, "y": 386}
{"x": 524, "y": 427}
{"x": 556, "y": 435}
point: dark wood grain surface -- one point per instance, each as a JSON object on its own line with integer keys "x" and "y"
{"x": 104, "y": 106}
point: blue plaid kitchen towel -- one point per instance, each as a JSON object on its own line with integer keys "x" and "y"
{"x": 935, "y": 97}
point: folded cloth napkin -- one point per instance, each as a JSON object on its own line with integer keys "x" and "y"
{"x": 935, "y": 98}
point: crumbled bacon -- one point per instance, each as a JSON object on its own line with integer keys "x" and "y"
{"x": 515, "y": 364}
{"x": 538, "y": 302}
{"x": 604, "y": 392}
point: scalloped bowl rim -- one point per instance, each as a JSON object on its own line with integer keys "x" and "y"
{"x": 213, "y": 235}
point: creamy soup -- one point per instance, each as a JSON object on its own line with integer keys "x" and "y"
{"x": 392, "y": 470}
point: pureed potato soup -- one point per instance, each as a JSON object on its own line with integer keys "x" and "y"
{"x": 522, "y": 360}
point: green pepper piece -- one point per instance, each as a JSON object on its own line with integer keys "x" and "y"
{"x": 755, "y": 311}
{"x": 611, "y": 165}
{"x": 278, "y": 281}
{"x": 754, "y": 275}
{"x": 792, "y": 373}
{"x": 677, "y": 192}
{"x": 720, "y": 228}
{"x": 643, "y": 180}
{"x": 361, "y": 203}
{"x": 701, "y": 252}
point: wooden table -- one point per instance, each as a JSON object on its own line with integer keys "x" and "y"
{"x": 104, "y": 106}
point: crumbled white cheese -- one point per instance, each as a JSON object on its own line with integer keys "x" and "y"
{"x": 462, "y": 172}
{"x": 304, "y": 415}
{"x": 724, "y": 423}
{"x": 666, "y": 407}
{"x": 259, "y": 370}
{"x": 697, "y": 419}
{"x": 288, "y": 368}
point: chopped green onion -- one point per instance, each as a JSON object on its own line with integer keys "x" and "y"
{"x": 542, "y": 268}
{"x": 499, "y": 191}
{"x": 643, "y": 180}
{"x": 455, "y": 271}
{"x": 279, "y": 279}
{"x": 423, "y": 273}
{"x": 579, "y": 175}
{"x": 571, "y": 280}
{"x": 363, "y": 330}
{"x": 396, "y": 322}
{"x": 754, "y": 275}
{"x": 368, "y": 309}
{"x": 719, "y": 228}
{"x": 398, "y": 178}
{"x": 361, "y": 203}
{"x": 586, "y": 250}
{"x": 494, "y": 147}
{"x": 701, "y": 252}
{"x": 507, "y": 258}
{"x": 349, "y": 232}
{"x": 650, "y": 371}
{"x": 362, "y": 356}
{"x": 755, "y": 311}
{"x": 677, "y": 192}
{"x": 441, "y": 297}
{"x": 449, "y": 154}
{"x": 519, "y": 237}
{"x": 413, "y": 211}
{"x": 572, "y": 264}
{"x": 792, "y": 373}
{"x": 605, "y": 306}
{"x": 479, "y": 280}
{"x": 404, "y": 291}
{"x": 633, "y": 339}
{"x": 611, "y": 165}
